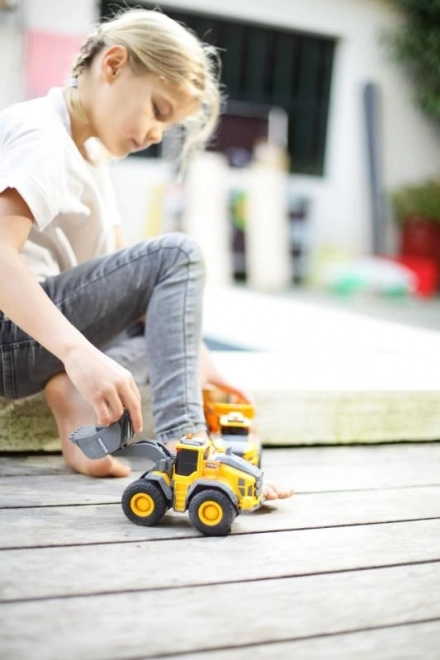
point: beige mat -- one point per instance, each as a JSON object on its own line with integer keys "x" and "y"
{"x": 318, "y": 376}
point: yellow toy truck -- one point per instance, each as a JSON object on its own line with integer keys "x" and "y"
{"x": 213, "y": 487}
{"x": 230, "y": 426}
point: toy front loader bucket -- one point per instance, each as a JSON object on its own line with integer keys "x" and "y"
{"x": 98, "y": 441}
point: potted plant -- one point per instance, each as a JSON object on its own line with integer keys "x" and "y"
{"x": 415, "y": 43}
{"x": 417, "y": 211}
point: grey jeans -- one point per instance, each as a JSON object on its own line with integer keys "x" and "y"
{"x": 163, "y": 279}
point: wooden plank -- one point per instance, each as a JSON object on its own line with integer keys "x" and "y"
{"x": 82, "y": 525}
{"x": 52, "y": 464}
{"x": 20, "y": 465}
{"x": 407, "y": 642}
{"x": 16, "y": 465}
{"x": 41, "y": 465}
{"x": 118, "y": 566}
{"x": 159, "y": 622}
{"x": 358, "y": 476}
{"x": 338, "y": 455}
{"x": 50, "y": 490}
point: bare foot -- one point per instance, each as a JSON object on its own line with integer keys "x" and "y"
{"x": 276, "y": 491}
{"x": 70, "y": 411}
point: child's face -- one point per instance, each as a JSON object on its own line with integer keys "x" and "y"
{"x": 131, "y": 112}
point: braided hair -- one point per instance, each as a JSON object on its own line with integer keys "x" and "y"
{"x": 91, "y": 47}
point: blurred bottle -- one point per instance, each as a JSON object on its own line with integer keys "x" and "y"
{"x": 268, "y": 243}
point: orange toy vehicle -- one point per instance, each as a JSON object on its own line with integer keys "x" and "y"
{"x": 230, "y": 425}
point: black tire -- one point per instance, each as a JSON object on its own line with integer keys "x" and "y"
{"x": 144, "y": 503}
{"x": 212, "y": 512}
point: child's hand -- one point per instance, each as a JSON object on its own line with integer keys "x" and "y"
{"x": 236, "y": 394}
{"x": 108, "y": 387}
{"x": 211, "y": 377}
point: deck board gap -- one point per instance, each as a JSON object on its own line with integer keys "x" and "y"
{"x": 197, "y": 536}
{"x": 366, "y": 490}
{"x": 300, "y": 638}
{"x": 71, "y": 505}
{"x": 207, "y": 585}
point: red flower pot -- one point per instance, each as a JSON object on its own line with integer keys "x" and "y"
{"x": 420, "y": 238}
{"x": 420, "y": 251}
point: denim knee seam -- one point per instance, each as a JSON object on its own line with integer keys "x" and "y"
{"x": 127, "y": 263}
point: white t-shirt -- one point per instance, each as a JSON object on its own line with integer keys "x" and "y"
{"x": 72, "y": 201}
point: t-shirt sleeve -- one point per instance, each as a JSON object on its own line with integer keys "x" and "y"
{"x": 33, "y": 161}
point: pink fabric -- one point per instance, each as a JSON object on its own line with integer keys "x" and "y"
{"x": 49, "y": 57}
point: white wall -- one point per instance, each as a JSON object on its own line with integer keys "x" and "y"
{"x": 67, "y": 17}
{"x": 340, "y": 210}
{"x": 11, "y": 57}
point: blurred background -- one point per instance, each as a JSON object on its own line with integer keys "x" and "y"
{"x": 317, "y": 203}
{"x": 323, "y": 175}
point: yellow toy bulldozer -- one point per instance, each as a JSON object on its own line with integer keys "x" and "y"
{"x": 214, "y": 487}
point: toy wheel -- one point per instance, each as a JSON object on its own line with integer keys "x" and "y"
{"x": 212, "y": 512}
{"x": 144, "y": 503}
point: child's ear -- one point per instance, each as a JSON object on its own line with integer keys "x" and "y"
{"x": 113, "y": 61}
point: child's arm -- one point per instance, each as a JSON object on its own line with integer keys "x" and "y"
{"x": 211, "y": 376}
{"x": 107, "y": 386}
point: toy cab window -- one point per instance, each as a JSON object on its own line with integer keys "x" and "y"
{"x": 186, "y": 462}
{"x": 234, "y": 430}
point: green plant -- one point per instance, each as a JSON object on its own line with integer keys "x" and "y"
{"x": 417, "y": 201}
{"x": 416, "y": 43}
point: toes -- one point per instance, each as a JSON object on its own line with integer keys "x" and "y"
{"x": 269, "y": 492}
{"x": 275, "y": 492}
{"x": 284, "y": 493}
{"x": 118, "y": 469}
{"x": 104, "y": 467}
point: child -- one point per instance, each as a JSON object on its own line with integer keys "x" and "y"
{"x": 72, "y": 297}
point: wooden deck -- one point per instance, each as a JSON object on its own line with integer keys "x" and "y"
{"x": 348, "y": 568}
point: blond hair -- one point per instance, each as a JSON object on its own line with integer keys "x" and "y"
{"x": 159, "y": 45}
